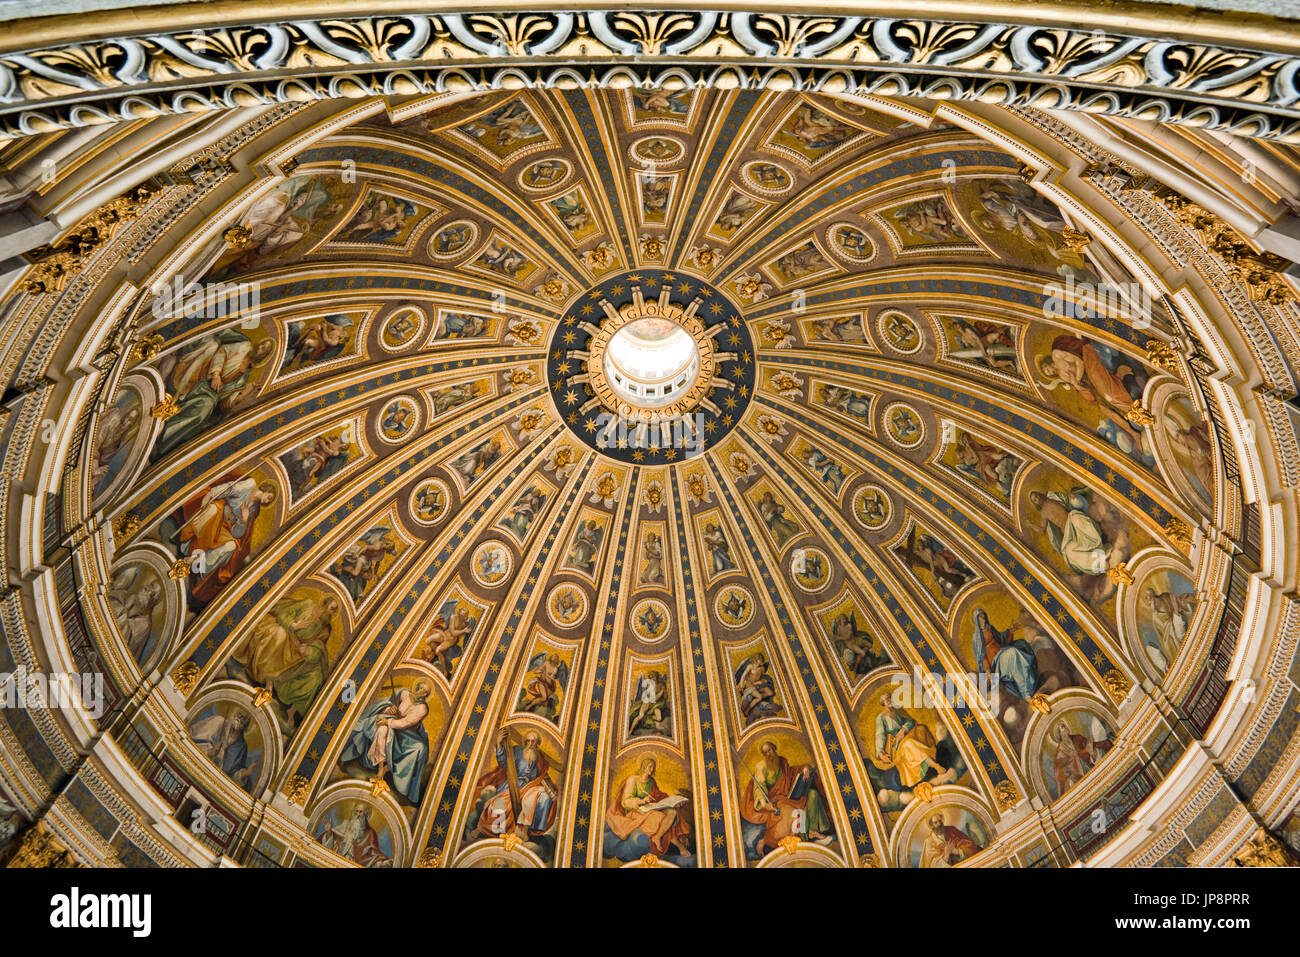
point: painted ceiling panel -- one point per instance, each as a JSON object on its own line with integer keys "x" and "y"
{"x": 881, "y": 572}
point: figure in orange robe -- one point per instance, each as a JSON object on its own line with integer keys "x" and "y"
{"x": 537, "y": 795}
{"x": 664, "y": 827}
{"x": 219, "y": 523}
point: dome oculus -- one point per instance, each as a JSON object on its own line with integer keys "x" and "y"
{"x": 650, "y": 362}
{"x": 650, "y": 366}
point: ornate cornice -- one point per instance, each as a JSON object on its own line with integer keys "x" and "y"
{"x": 1241, "y": 82}
{"x": 38, "y": 847}
{"x": 137, "y": 242}
{"x": 1271, "y": 346}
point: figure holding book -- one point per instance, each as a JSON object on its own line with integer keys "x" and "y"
{"x": 642, "y": 808}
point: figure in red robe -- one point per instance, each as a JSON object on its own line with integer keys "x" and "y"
{"x": 1073, "y": 757}
{"x": 784, "y": 800}
{"x": 366, "y": 851}
{"x": 536, "y": 794}
{"x": 946, "y": 845}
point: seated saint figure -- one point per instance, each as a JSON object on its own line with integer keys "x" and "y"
{"x": 909, "y": 746}
{"x": 999, "y": 652}
{"x": 355, "y": 839}
{"x": 527, "y": 775}
{"x": 946, "y": 845}
{"x": 222, "y": 740}
{"x": 391, "y": 738}
{"x": 288, "y": 652}
{"x": 640, "y": 815}
{"x": 781, "y": 800}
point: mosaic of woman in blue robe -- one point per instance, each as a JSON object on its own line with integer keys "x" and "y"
{"x": 391, "y": 739}
{"x": 1011, "y": 659}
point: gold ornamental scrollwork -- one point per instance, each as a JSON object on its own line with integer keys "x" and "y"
{"x": 1179, "y": 532}
{"x": 981, "y": 58}
{"x": 186, "y": 677}
{"x": 237, "y": 237}
{"x": 1120, "y": 574}
{"x": 125, "y": 525}
{"x": 145, "y": 348}
{"x": 554, "y": 289}
{"x": 1117, "y": 685}
{"x": 38, "y": 847}
{"x": 54, "y": 264}
{"x": 1007, "y": 794}
{"x": 1259, "y": 272}
{"x": 295, "y": 789}
{"x": 1075, "y": 240}
{"x": 1139, "y": 415}
{"x": 1265, "y": 850}
{"x": 166, "y": 407}
{"x": 1162, "y": 355}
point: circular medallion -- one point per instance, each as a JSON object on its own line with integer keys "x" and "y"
{"x": 668, "y": 359}
{"x": 491, "y": 564}
{"x": 850, "y": 243}
{"x": 401, "y": 329}
{"x": 650, "y": 619}
{"x": 767, "y": 177}
{"x": 810, "y": 568}
{"x": 734, "y": 606}
{"x": 872, "y": 508}
{"x": 399, "y": 419}
{"x": 453, "y": 240}
{"x": 567, "y": 605}
{"x": 545, "y": 174}
{"x": 904, "y": 426}
{"x": 429, "y": 501}
{"x": 899, "y": 332}
{"x": 657, "y": 151}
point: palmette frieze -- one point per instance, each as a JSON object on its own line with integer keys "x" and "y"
{"x": 300, "y": 60}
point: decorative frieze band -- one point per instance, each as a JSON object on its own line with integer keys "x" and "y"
{"x": 1249, "y": 91}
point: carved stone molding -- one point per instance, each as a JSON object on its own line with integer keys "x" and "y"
{"x": 37, "y": 847}
{"x": 126, "y": 75}
{"x": 1265, "y": 850}
{"x": 1271, "y": 346}
{"x": 54, "y": 265}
